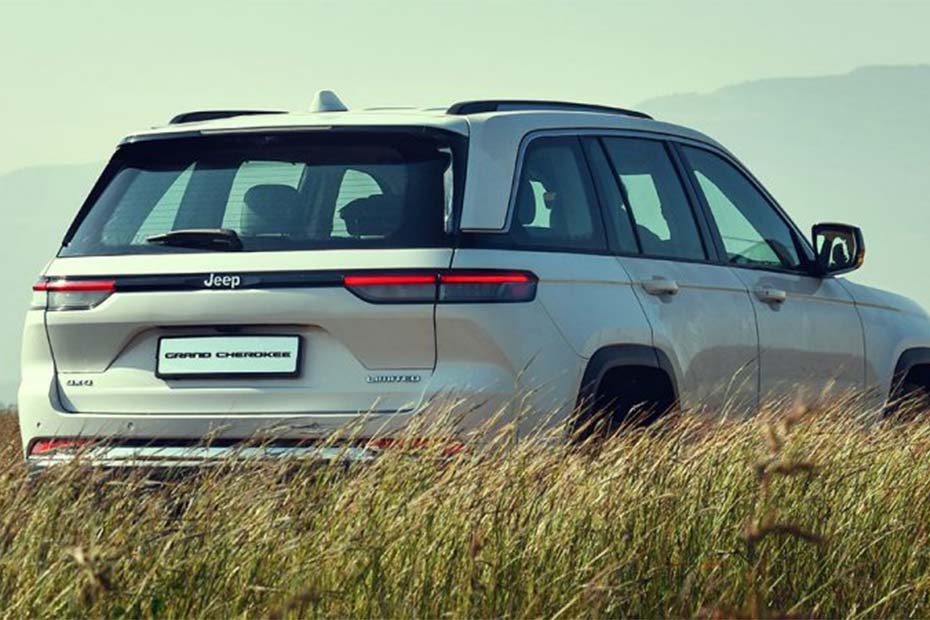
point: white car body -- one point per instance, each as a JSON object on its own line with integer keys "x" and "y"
{"x": 726, "y": 337}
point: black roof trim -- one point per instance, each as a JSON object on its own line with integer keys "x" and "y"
{"x": 211, "y": 115}
{"x": 508, "y": 105}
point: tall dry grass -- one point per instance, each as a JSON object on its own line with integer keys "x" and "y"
{"x": 813, "y": 515}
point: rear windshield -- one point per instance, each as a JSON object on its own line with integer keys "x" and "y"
{"x": 277, "y": 192}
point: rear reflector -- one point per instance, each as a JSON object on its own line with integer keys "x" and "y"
{"x": 72, "y": 294}
{"x": 443, "y": 447}
{"x": 444, "y": 287}
{"x": 44, "y": 446}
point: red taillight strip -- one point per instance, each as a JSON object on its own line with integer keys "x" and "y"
{"x": 443, "y": 278}
{"x": 388, "y": 280}
{"x": 485, "y": 278}
{"x": 76, "y": 286}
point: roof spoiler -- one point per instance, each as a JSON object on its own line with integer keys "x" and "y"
{"x": 211, "y": 115}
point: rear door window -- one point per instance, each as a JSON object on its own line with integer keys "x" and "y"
{"x": 663, "y": 221}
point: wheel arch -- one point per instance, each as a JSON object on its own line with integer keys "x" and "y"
{"x": 612, "y": 357}
{"x": 907, "y": 361}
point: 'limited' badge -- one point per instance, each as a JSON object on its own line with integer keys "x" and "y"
{"x": 393, "y": 379}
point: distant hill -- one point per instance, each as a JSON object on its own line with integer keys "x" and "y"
{"x": 37, "y": 205}
{"x": 852, "y": 148}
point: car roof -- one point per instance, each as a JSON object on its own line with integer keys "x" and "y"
{"x": 497, "y": 136}
{"x": 437, "y": 118}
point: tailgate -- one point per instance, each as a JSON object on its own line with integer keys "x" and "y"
{"x": 354, "y": 356}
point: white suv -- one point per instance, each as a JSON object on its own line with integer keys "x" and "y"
{"x": 242, "y": 271}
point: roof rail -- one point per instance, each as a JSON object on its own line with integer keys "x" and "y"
{"x": 210, "y": 115}
{"x": 513, "y": 105}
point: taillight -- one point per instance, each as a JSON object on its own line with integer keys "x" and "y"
{"x": 45, "y": 446}
{"x": 444, "y": 287}
{"x": 72, "y": 294}
{"x": 393, "y": 288}
{"x": 478, "y": 287}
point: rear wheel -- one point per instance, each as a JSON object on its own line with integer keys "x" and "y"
{"x": 626, "y": 397}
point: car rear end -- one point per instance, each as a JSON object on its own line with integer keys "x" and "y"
{"x": 219, "y": 286}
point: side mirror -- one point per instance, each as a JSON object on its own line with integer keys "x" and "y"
{"x": 840, "y": 248}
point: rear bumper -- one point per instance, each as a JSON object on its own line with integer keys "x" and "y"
{"x": 160, "y": 457}
{"x": 192, "y": 440}
{"x": 488, "y": 369}
{"x": 42, "y": 417}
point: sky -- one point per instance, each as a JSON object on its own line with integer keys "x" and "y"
{"x": 78, "y": 75}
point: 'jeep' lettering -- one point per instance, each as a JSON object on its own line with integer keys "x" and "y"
{"x": 217, "y": 281}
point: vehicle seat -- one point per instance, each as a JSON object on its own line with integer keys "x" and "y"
{"x": 379, "y": 215}
{"x": 270, "y": 210}
{"x": 651, "y": 241}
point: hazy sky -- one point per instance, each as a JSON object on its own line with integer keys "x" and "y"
{"x": 76, "y": 76}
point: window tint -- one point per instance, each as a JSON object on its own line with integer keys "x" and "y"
{"x": 162, "y": 215}
{"x": 619, "y": 222}
{"x": 252, "y": 173}
{"x": 662, "y": 217}
{"x": 355, "y": 184}
{"x": 277, "y": 192}
{"x": 753, "y": 232}
{"x": 555, "y": 206}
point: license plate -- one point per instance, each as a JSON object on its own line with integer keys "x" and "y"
{"x": 228, "y": 356}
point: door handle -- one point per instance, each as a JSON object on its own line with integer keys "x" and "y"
{"x": 660, "y": 287}
{"x": 771, "y": 295}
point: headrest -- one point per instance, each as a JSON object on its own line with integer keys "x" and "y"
{"x": 270, "y": 210}
{"x": 374, "y": 216}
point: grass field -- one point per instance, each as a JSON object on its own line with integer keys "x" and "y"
{"x": 786, "y": 515}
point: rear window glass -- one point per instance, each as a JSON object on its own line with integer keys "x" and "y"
{"x": 275, "y": 192}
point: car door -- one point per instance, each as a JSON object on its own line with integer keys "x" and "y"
{"x": 810, "y": 335}
{"x": 700, "y": 312}
{"x": 584, "y": 297}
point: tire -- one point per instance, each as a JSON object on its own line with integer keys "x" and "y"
{"x": 632, "y": 398}
{"x": 911, "y": 400}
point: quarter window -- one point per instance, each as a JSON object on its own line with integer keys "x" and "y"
{"x": 555, "y": 207}
{"x": 662, "y": 217}
{"x": 752, "y": 231}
